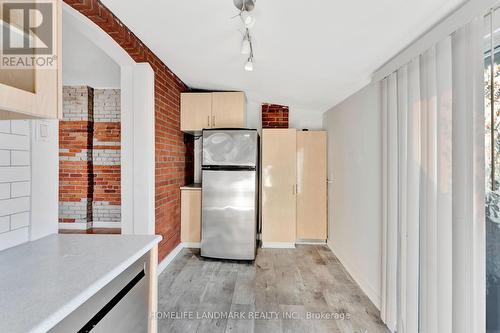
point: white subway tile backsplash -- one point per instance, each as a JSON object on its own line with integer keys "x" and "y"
{"x": 14, "y": 206}
{"x": 4, "y": 126}
{"x": 20, "y": 127}
{"x": 4, "y": 157}
{"x": 13, "y": 141}
{"x": 4, "y": 191}
{"x": 4, "y": 224}
{"x": 20, "y": 189}
{"x": 19, "y": 220}
{"x": 14, "y": 174}
{"x": 15, "y": 182}
{"x": 18, "y": 157}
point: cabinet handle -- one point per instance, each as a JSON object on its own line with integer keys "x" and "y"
{"x": 293, "y": 189}
{"x": 213, "y": 121}
{"x": 208, "y": 121}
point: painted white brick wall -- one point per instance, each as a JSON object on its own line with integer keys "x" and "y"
{"x": 15, "y": 180}
{"x": 76, "y": 103}
{"x": 107, "y": 105}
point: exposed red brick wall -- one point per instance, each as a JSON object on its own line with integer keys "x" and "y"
{"x": 89, "y": 155}
{"x": 107, "y": 184}
{"x": 174, "y": 161}
{"x": 274, "y": 116}
{"x": 106, "y": 132}
{"x": 75, "y": 176}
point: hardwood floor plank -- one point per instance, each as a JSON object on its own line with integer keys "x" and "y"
{"x": 245, "y": 325}
{"x": 308, "y": 282}
{"x": 244, "y": 289}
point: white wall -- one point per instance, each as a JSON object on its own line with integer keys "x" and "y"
{"x": 298, "y": 118}
{"x": 84, "y": 63}
{"x": 354, "y": 165}
{"x": 44, "y": 177}
{"x": 301, "y": 119}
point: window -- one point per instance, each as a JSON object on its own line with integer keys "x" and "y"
{"x": 492, "y": 172}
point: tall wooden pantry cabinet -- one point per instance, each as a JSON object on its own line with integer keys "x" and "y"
{"x": 293, "y": 187}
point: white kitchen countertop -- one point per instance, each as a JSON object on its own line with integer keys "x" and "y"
{"x": 42, "y": 282}
{"x": 193, "y": 186}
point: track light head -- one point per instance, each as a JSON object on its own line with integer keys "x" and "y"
{"x": 248, "y": 19}
{"x": 249, "y": 65}
{"x": 245, "y": 47}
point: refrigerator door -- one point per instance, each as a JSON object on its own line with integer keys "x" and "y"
{"x": 229, "y": 214}
{"x": 236, "y": 148}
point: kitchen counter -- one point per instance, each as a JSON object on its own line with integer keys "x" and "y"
{"x": 193, "y": 186}
{"x": 44, "y": 281}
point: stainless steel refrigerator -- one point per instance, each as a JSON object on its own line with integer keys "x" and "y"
{"x": 230, "y": 177}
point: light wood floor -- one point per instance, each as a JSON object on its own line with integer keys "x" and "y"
{"x": 281, "y": 282}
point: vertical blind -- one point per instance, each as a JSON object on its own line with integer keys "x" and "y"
{"x": 433, "y": 189}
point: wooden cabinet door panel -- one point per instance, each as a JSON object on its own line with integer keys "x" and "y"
{"x": 35, "y": 92}
{"x": 191, "y": 216}
{"x": 278, "y": 185}
{"x": 196, "y": 111}
{"x": 311, "y": 186}
{"x": 228, "y": 110}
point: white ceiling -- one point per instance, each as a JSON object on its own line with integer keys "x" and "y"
{"x": 308, "y": 54}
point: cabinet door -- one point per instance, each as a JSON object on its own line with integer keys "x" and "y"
{"x": 191, "y": 216}
{"x": 278, "y": 186}
{"x": 229, "y": 110}
{"x": 196, "y": 111}
{"x": 36, "y": 91}
{"x": 311, "y": 185}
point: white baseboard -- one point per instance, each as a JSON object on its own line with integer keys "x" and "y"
{"x": 106, "y": 225}
{"x": 191, "y": 245}
{"x": 277, "y": 245}
{"x": 311, "y": 242}
{"x": 74, "y": 226}
{"x": 370, "y": 291}
{"x": 169, "y": 258}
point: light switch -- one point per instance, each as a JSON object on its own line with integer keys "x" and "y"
{"x": 42, "y": 132}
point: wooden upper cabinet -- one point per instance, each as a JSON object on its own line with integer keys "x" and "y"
{"x": 34, "y": 92}
{"x": 196, "y": 111}
{"x": 228, "y": 110}
{"x": 212, "y": 110}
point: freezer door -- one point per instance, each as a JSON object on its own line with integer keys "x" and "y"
{"x": 230, "y": 147}
{"x": 229, "y": 214}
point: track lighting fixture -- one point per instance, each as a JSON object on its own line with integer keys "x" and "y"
{"x": 248, "y": 20}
